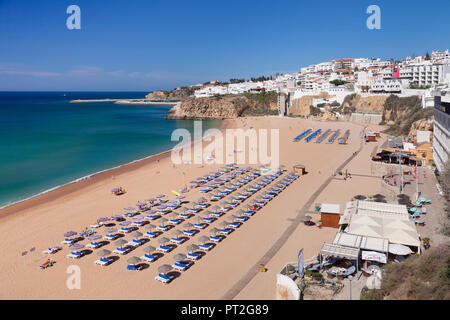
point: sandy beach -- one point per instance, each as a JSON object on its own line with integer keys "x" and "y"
{"x": 225, "y": 271}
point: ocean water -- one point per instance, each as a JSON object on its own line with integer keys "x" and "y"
{"x": 47, "y": 142}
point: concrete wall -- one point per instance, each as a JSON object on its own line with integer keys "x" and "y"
{"x": 380, "y": 169}
{"x": 368, "y": 118}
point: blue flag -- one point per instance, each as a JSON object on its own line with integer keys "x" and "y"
{"x": 300, "y": 263}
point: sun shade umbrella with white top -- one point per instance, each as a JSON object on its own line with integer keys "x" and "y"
{"x": 192, "y": 247}
{"x": 76, "y": 246}
{"x": 163, "y": 240}
{"x": 203, "y": 239}
{"x": 214, "y": 230}
{"x": 183, "y": 209}
{"x": 136, "y": 234}
{"x": 179, "y": 257}
{"x": 130, "y": 208}
{"x": 188, "y": 225}
{"x": 164, "y": 268}
{"x": 125, "y": 223}
{"x": 120, "y": 242}
{"x": 134, "y": 260}
{"x": 111, "y": 230}
{"x": 223, "y": 224}
{"x": 69, "y": 233}
{"x": 150, "y": 227}
{"x": 177, "y": 232}
{"x": 399, "y": 249}
{"x": 149, "y": 249}
{"x": 94, "y": 237}
{"x": 138, "y": 217}
{"x": 162, "y": 220}
{"x": 104, "y": 219}
{"x": 103, "y": 253}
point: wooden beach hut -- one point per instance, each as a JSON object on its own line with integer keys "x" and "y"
{"x": 330, "y": 215}
{"x": 299, "y": 169}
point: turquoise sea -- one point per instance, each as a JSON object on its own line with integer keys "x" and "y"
{"x": 47, "y": 142}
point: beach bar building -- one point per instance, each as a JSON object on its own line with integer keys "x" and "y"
{"x": 330, "y": 215}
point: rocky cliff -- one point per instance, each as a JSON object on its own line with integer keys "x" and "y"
{"x": 211, "y": 108}
{"x": 368, "y": 104}
{"x": 181, "y": 93}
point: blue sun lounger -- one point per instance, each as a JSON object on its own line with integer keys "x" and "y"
{"x": 189, "y": 233}
{"x": 200, "y": 225}
{"x": 215, "y": 238}
{"x": 94, "y": 245}
{"x": 234, "y": 224}
{"x": 203, "y": 205}
{"x": 134, "y": 267}
{"x": 164, "y": 248}
{"x": 195, "y": 210}
{"x": 139, "y": 223}
{"x": 225, "y": 231}
{"x": 174, "y": 221}
{"x": 177, "y": 240}
{"x": 121, "y": 250}
{"x": 151, "y": 234}
{"x": 111, "y": 236}
{"x": 126, "y": 229}
{"x": 217, "y": 214}
{"x": 241, "y": 219}
{"x": 163, "y": 228}
{"x": 193, "y": 256}
{"x": 148, "y": 257}
{"x": 206, "y": 246}
{"x": 208, "y": 220}
{"x": 185, "y": 215}
{"x": 103, "y": 261}
{"x": 182, "y": 265}
{"x": 152, "y": 217}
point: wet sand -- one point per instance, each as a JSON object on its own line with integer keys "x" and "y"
{"x": 43, "y": 224}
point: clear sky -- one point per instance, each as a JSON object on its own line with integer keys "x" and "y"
{"x": 143, "y": 45}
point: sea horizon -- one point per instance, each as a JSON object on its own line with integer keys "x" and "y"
{"x": 44, "y": 149}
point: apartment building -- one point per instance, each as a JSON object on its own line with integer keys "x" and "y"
{"x": 441, "y": 130}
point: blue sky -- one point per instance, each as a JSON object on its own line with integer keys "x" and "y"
{"x": 143, "y": 45}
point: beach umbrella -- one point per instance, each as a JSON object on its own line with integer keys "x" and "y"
{"x": 214, "y": 230}
{"x": 94, "y": 237}
{"x": 149, "y": 249}
{"x": 134, "y": 260}
{"x": 117, "y": 216}
{"x": 184, "y": 209}
{"x": 181, "y": 197}
{"x": 360, "y": 197}
{"x": 120, "y": 242}
{"x": 177, "y": 232}
{"x": 163, "y": 240}
{"x": 103, "y": 253}
{"x": 206, "y": 213}
{"x": 223, "y": 224}
{"x": 164, "y": 268}
{"x": 109, "y": 230}
{"x": 140, "y": 204}
{"x": 76, "y": 246}
{"x": 179, "y": 257}
{"x": 399, "y": 249}
{"x": 203, "y": 239}
{"x": 306, "y": 218}
{"x": 202, "y": 199}
{"x": 125, "y": 223}
{"x": 103, "y": 219}
{"x": 69, "y": 233}
{"x": 192, "y": 247}
{"x": 216, "y": 207}
{"x": 150, "y": 211}
{"x": 198, "y": 219}
{"x": 172, "y": 214}
{"x": 129, "y": 208}
{"x": 162, "y": 220}
{"x": 161, "y": 196}
{"x": 233, "y": 217}
{"x": 136, "y": 234}
{"x": 193, "y": 204}
{"x": 240, "y": 211}
{"x": 138, "y": 217}
{"x": 161, "y": 207}
{"x": 150, "y": 226}
{"x": 188, "y": 225}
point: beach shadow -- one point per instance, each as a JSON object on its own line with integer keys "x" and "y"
{"x": 158, "y": 255}
{"x": 119, "y": 235}
{"x": 171, "y": 246}
{"x": 184, "y": 239}
{"x": 201, "y": 253}
{"x": 174, "y": 274}
{"x": 143, "y": 266}
{"x": 113, "y": 259}
{"x": 103, "y": 243}
{"x": 85, "y": 252}
{"x": 110, "y": 225}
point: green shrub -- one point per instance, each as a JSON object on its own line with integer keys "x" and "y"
{"x": 317, "y": 276}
